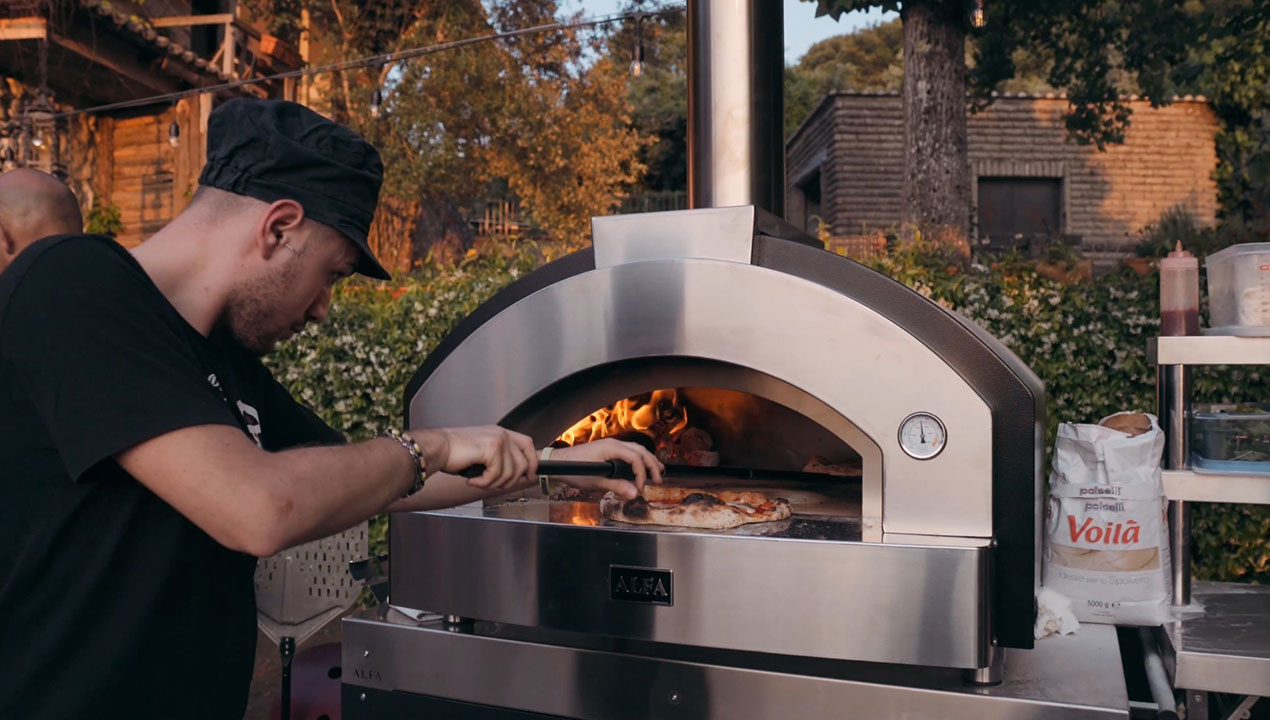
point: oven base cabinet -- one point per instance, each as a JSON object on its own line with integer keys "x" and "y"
{"x": 401, "y": 668}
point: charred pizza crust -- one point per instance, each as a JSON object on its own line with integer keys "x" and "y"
{"x": 687, "y": 507}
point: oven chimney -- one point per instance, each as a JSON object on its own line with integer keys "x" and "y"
{"x": 736, "y": 104}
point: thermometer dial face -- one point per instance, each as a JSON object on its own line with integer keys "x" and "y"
{"x": 922, "y": 436}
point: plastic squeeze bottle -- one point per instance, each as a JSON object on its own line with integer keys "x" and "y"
{"x": 1179, "y": 293}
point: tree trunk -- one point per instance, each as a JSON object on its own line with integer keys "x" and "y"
{"x": 936, "y": 163}
{"x": 440, "y": 232}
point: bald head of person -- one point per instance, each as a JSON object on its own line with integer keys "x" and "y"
{"x": 34, "y": 205}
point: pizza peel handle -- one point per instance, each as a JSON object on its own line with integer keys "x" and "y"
{"x": 606, "y": 468}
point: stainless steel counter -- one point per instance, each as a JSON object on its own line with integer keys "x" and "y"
{"x": 1222, "y": 645}
{"x": 1073, "y": 677}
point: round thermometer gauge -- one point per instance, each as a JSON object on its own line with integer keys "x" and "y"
{"x": 922, "y": 436}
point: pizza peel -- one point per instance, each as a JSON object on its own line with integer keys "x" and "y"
{"x": 808, "y": 493}
{"x": 624, "y": 471}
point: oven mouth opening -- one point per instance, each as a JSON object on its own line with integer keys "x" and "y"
{"x": 712, "y": 427}
{"x": 708, "y": 414}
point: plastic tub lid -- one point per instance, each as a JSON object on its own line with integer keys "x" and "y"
{"x": 1240, "y": 249}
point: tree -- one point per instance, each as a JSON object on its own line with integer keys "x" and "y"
{"x": 530, "y": 114}
{"x": 869, "y": 59}
{"x": 658, "y": 97}
{"x": 1229, "y": 63}
{"x": 1089, "y": 46}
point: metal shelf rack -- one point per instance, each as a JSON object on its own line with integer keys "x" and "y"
{"x": 1219, "y": 640}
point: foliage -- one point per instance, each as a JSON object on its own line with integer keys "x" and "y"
{"x": 533, "y": 111}
{"x": 353, "y": 369}
{"x": 871, "y": 59}
{"x": 1087, "y": 342}
{"x": 1060, "y": 253}
{"x": 868, "y": 60}
{"x": 658, "y": 97}
{"x": 1178, "y": 225}
{"x": 103, "y": 219}
{"x": 1230, "y": 64}
{"x": 1091, "y": 49}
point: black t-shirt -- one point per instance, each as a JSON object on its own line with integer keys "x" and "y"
{"x": 112, "y": 604}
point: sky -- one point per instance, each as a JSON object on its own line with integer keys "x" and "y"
{"x": 802, "y": 28}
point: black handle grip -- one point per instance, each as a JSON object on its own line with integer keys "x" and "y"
{"x": 605, "y": 468}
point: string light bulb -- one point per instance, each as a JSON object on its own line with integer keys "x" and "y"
{"x": 637, "y": 51}
{"x": 39, "y": 116}
{"x": 376, "y": 103}
{"x": 977, "y": 17}
{"x": 174, "y": 134}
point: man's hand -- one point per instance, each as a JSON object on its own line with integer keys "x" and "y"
{"x": 509, "y": 458}
{"x": 646, "y": 465}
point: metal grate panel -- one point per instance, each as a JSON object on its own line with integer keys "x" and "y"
{"x": 302, "y": 588}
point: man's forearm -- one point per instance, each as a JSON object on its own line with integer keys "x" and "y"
{"x": 443, "y": 491}
{"x": 334, "y": 488}
{"x": 260, "y": 502}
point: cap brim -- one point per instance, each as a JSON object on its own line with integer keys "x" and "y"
{"x": 367, "y": 264}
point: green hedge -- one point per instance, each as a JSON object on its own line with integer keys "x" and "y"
{"x": 353, "y": 369}
{"x": 1086, "y": 341}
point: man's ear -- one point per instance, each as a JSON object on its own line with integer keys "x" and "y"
{"x": 282, "y": 217}
{"x": 8, "y": 245}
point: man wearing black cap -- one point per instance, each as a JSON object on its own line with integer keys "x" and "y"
{"x": 147, "y": 457}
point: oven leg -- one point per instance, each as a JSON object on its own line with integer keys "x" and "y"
{"x": 457, "y": 623}
{"x": 286, "y": 647}
{"x": 990, "y": 675}
{"x": 1196, "y": 705}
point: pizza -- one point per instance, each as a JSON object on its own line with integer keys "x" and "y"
{"x": 820, "y": 465}
{"x": 695, "y": 508}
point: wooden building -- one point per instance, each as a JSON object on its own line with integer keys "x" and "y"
{"x": 845, "y": 168}
{"x": 74, "y": 56}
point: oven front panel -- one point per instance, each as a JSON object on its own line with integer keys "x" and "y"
{"x": 523, "y": 564}
{"x": 829, "y": 346}
{"x": 838, "y": 343}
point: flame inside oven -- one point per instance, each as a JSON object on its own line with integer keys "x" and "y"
{"x": 660, "y": 417}
{"x": 708, "y": 427}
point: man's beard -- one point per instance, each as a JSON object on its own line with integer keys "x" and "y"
{"x": 249, "y": 314}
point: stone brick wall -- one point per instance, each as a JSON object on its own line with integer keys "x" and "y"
{"x": 1167, "y": 159}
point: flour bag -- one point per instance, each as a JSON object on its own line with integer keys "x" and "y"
{"x": 1106, "y": 526}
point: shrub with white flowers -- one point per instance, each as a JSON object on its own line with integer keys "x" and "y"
{"x": 1086, "y": 341}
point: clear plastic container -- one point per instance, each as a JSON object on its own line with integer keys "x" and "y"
{"x": 1239, "y": 290}
{"x": 1231, "y": 438}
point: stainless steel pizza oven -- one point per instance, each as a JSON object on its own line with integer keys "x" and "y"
{"x": 915, "y": 550}
{"x": 790, "y": 353}
{"x": 728, "y": 321}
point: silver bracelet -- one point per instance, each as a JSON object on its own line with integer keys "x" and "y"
{"x": 416, "y": 454}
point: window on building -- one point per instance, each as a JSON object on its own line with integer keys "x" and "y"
{"x": 205, "y": 40}
{"x": 1016, "y": 211}
{"x": 809, "y": 189}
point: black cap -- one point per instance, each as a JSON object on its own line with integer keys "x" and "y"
{"x": 275, "y": 150}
